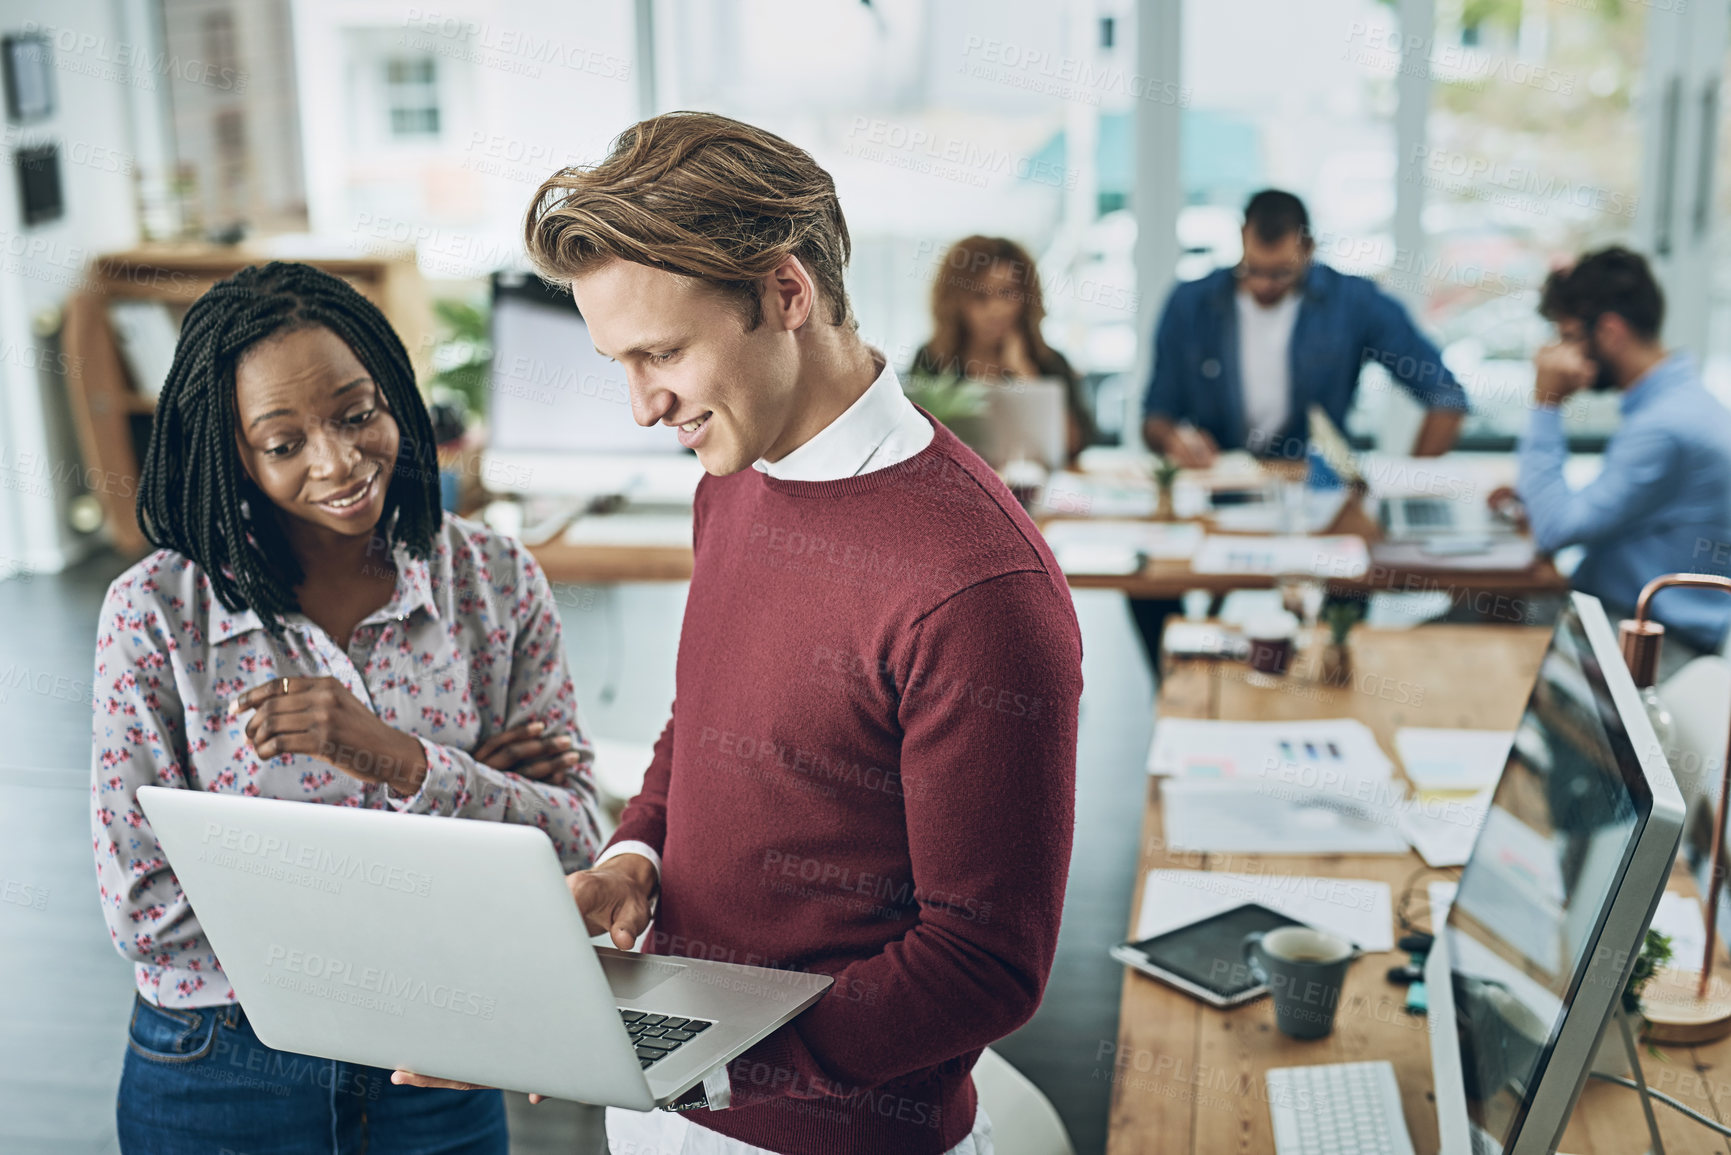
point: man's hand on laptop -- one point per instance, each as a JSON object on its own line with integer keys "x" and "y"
{"x": 614, "y": 897}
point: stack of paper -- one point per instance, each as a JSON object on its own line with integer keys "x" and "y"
{"x": 1331, "y": 556}
{"x": 1452, "y": 760}
{"x": 1325, "y": 751}
{"x": 1085, "y": 495}
{"x": 1356, "y": 909}
{"x": 1443, "y": 828}
{"x": 1106, "y": 545}
{"x": 1453, "y": 772}
{"x": 1278, "y": 818}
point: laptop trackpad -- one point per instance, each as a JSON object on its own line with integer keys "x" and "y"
{"x": 632, "y": 975}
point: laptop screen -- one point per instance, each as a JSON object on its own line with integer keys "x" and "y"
{"x": 1532, "y": 900}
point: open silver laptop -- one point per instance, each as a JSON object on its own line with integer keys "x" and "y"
{"x": 1026, "y": 420}
{"x": 449, "y": 947}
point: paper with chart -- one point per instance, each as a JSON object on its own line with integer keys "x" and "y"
{"x": 1357, "y": 909}
{"x": 1452, "y": 760}
{"x": 1325, "y": 752}
{"x": 1328, "y": 556}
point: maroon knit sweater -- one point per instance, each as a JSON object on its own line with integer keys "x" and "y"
{"x": 869, "y": 773}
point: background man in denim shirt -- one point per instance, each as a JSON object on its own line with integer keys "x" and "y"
{"x": 1662, "y": 500}
{"x": 1243, "y": 353}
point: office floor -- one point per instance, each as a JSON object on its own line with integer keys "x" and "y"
{"x": 63, "y": 1021}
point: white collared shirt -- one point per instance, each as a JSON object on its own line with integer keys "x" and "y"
{"x": 878, "y": 430}
{"x": 1265, "y": 365}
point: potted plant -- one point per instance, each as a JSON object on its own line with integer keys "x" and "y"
{"x": 1165, "y": 472}
{"x": 956, "y": 402}
{"x": 1341, "y": 616}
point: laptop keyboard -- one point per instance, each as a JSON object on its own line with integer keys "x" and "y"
{"x": 657, "y": 1036}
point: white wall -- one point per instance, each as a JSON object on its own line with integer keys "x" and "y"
{"x": 527, "y": 86}
{"x": 94, "y": 77}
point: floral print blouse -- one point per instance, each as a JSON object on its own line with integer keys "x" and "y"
{"x": 469, "y": 644}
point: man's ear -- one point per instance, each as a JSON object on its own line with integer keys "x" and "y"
{"x": 1611, "y": 332}
{"x": 791, "y": 294}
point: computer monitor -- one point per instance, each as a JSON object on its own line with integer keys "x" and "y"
{"x": 550, "y": 391}
{"x": 1554, "y": 902}
{"x": 559, "y": 414}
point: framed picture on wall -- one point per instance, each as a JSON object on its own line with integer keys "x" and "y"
{"x": 28, "y": 61}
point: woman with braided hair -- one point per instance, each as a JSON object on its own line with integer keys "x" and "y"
{"x": 311, "y": 627}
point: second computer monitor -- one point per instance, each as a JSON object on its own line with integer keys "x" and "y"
{"x": 1554, "y": 903}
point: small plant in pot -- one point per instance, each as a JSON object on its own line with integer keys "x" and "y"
{"x": 1165, "y": 471}
{"x": 1341, "y": 616}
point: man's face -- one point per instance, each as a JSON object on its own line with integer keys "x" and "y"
{"x": 1270, "y": 270}
{"x": 727, "y": 393}
{"x": 1573, "y": 332}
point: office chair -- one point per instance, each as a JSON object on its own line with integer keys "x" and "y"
{"x": 1024, "y": 1122}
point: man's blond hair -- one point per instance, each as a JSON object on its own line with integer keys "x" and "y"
{"x": 701, "y": 195}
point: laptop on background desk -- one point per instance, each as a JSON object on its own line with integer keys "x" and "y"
{"x": 449, "y": 947}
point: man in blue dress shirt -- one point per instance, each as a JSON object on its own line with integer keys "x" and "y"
{"x": 1662, "y": 501}
{"x": 1242, "y": 354}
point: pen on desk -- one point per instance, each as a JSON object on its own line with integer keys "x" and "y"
{"x": 1310, "y": 749}
{"x": 1286, "y": 750}
{"x": 1335, "y": 750}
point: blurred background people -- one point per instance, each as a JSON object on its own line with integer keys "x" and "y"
{"x": 1241, "y": 354}
{"x": 1661, "y": 502}
{"x": 986, "y": 314}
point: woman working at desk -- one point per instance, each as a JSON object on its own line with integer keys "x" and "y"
{"x": 986, "y": 313}
{"x": 311, "y": 627}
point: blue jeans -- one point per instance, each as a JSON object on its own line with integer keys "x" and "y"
{"x": 199, "y": 1082}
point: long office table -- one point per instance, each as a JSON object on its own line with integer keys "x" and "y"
{"x": 1159, "y": 578}
{"x": 1189, "y": 1078}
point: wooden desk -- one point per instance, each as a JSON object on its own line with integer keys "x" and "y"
{"x": 599, "y": 564}
{"x": 1160, "y": 578}
{"x": 1187, "y": 1077}
{"x": 1169, "y": 578}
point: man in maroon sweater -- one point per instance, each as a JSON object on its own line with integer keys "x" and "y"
{"x": 870, "y": 767}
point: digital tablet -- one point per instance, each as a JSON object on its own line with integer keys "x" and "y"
{"x": 1206, "y": 958}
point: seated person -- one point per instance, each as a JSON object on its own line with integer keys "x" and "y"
{"x": 311, "y": 627}
{"x": 986, "y": 313}
{"x": 1662, "y": 501}
{"x": 1242, "y": 354}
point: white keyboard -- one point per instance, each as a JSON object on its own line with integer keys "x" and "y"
{"x": 1337, "y": 1109}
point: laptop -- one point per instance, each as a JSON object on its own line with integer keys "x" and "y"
{"x": 1027, "y": 420}
{"x": 449, "y": 947}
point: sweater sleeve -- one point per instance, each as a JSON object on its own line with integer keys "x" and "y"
{"x": 645, "y": 817}
{"x": 989, "y": 681}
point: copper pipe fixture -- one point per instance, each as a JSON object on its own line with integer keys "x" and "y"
{"x": 1641, "y": 639}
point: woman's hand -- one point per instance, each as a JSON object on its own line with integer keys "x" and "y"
{"x": 1014, "y": 356}
{"x": 408, "y": 1078}
{"x": 522, "y": 750}
{"x": 319, "y": 717}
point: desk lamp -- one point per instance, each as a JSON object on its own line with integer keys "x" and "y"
{"x": 1641, "y": 638}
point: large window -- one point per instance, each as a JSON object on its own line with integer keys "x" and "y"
{"x": 1532, "y": 155}
{"x": 942, "y": 120}
{"x": 412, "y": 97}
